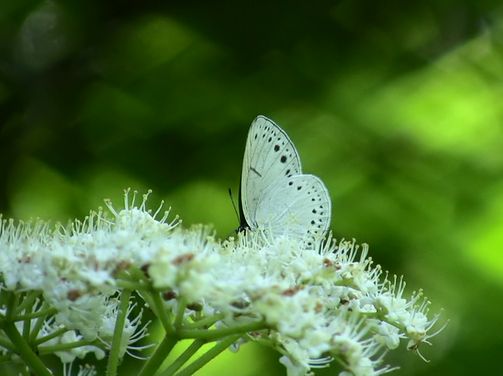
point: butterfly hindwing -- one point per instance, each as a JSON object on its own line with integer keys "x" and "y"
{"x": 298, "y": 206}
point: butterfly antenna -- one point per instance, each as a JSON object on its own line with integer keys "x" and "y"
{"x": 233, "y": 204}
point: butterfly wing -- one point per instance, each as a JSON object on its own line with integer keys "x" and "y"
{"x": 269, "y": 157}
{"x": 275, "y": 195}
{"x": 298, "y": 206}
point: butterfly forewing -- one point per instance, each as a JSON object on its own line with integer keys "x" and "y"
{"x": 269, "y": 157}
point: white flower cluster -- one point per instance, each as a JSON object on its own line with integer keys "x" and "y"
{"x": 315, "y": 305}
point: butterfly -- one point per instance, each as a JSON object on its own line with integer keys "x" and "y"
{"x": 274, "y": 193}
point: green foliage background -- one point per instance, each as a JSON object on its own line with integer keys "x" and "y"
{"x": 395, "y": 105}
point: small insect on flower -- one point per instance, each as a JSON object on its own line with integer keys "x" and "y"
{"x": 274, "y": 193}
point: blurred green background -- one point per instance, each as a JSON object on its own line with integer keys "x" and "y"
{"x": 395, "y": 105}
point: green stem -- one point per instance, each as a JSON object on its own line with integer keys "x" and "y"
{"x": 179, "y": 313}
{"x": 36, "y": 328}
{"x": 28, "y": 300}
{"x": 65, "y": 346}
{"x": 6, "y": 358}
{"x": 204, "y": 323}
{"x": 6, "y": 344}
{"x": 183, "y": 358}
{"x": 133, "y": 279}
{"x": 48, "y": 337}
{"x": 44, "y": 313}
{"x": 162, "y": 313}
{"x": 219, "y": 333}
{"x": 24, "y": 350}
{"x": 208, "y": 356}
{"x": 131, "y": 285}
{"x": 113, "y": 358}
{"x": 149, "y": 301}
{"x": 12, "y": 300}
{"x": 26, "y": 329}
{"x": 160, "y": 354}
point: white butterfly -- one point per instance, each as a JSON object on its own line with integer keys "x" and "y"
{"x": 274, "y": 194}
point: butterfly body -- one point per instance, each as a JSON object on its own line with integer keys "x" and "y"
{"x": 274, "y": 193}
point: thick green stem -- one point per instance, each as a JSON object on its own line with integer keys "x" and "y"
{"x": 208, "y": 356}
{"x": 24, "y": 350}
{"x": 12, "y": 300}
{"x": 113, "y": 358}
{"x": 162, "y": 351}
{"x": 183, "y": 358}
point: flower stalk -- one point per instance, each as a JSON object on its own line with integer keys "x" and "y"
{"x": 114, "y": 356}
{"x": 24, "y": 350}
{"x": 162, "y": 351}
{"x": 207, "y": 357}
{"x": 184, "y": 357}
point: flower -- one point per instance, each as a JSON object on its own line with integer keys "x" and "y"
{"x": 314, "y": 303}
